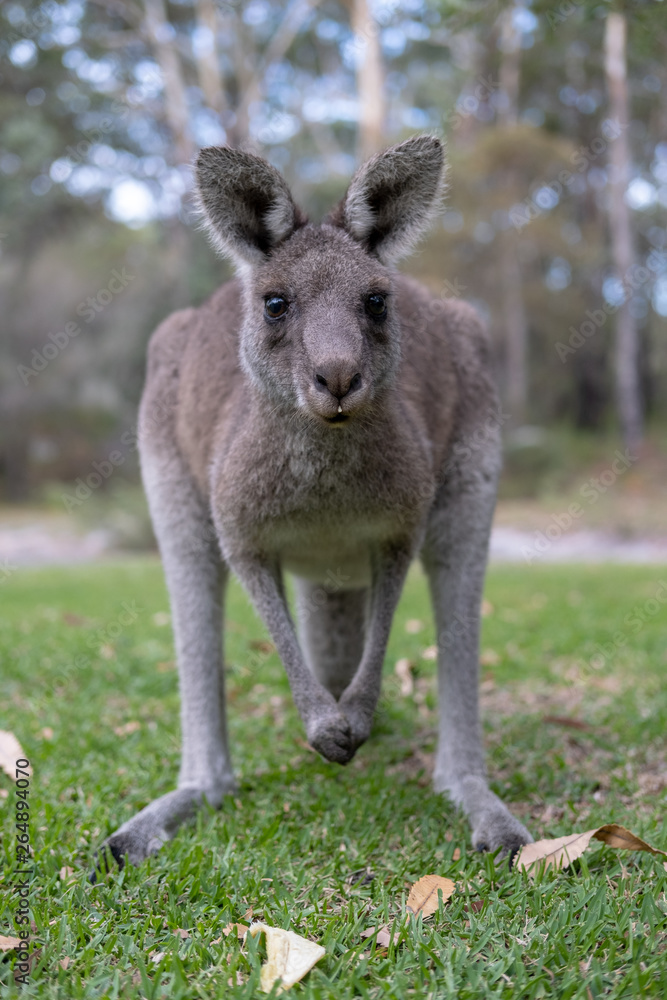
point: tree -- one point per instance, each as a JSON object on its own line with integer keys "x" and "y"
{"x": 626, "y": 350}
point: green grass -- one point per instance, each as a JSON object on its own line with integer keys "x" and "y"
{"x": 72, "y": 673}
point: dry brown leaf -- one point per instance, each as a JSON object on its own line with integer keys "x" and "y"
{"x": 10, "y": 752}
{"x": 67, "y": 874}
{"x": 9, "y": 943}
{"x": 238, "y": 978}
{"x": 560, "y": 851}
{"x": 127, "y": 728}
{"x": 240, "y": 930}
{"x": 423, "y": 896}
{"x": 430, "y": 653}
{"x": 384, "y": 936}
{"x": 156, "y": 956}
{"x": 71, "y": 619}
{"x": 486, "y": 608}
{"x": 413, "y": 626}
{"x": 181, "y": 933}
{"x": 457, "y": 854}
{"x": 64, "y": 962}
{"x": 289, "y": 957}
{"x": 262, "y": 646}
{"x": 403, "y": 671}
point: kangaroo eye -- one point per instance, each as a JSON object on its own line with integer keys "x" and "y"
{"x": 376, "y": 306}
{"x": 275, "y": 307}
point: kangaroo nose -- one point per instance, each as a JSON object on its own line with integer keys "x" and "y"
{"x": 338, "y": 378}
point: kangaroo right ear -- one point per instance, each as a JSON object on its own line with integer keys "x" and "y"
{"x": 247, "y": 206}
{"x": 392, "y": 198}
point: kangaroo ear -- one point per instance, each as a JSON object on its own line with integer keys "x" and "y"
{"x": 246, "y": 204}
{"x": 392, "y": 198}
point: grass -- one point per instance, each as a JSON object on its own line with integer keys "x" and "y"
{"x": 89, "y": 687}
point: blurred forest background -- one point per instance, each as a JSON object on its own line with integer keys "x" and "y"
{"x": 555, "y": 116}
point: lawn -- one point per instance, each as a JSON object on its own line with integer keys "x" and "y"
{"x": 575, "y": 707}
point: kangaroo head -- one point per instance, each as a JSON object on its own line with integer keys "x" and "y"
{"x": 320, "y": 333}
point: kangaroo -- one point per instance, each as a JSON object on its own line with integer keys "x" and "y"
{"x": 325, "y": 416}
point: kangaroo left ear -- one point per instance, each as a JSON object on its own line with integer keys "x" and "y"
{"x": 393, "y": 197}
{"x": 245, "y": 202}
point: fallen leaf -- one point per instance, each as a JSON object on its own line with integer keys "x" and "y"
{"x": 127, "y": 728}
{"x": 457, "y": 854}
{"x": 47, "y": 733}
{"x": 430, "y": 653}
{"x": 71, "y": 619}
{"x": 10, "y": 752}
{"x": 181, "y": 933}
{"x": 384, "y": 936}
{"x": 476, "y": 905}
{"x": 403, "y": 671}
{"x": 560, "y": 851}
{"x": 156, "y": 956}
{"x": 423, "y": 896}
{"x": 238, "y": 982}
{"x": 564, "y": 720}
{"x": 489, "y": 658}
{"x": 67, "y": 874}
{"x": 413, "y": 625}
{"x": 486, "y": 609}
{"x": 9, "y": 943}
{"x": 240, "y": 929}
{"x": 289, "y": 957}
{"x": 64, "y": 962}
{"x": 262, "y": 646}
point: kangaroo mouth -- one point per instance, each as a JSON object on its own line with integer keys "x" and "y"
{"x": 339, "y": 418}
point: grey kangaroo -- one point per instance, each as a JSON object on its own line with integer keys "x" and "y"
{"x": 326, "y": 417}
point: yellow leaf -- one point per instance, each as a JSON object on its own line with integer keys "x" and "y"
{"x": 423, "y": 896}
{"x": 10, "y": 752}
{"x": 563, "y": 850}
{"x": 289, "y": 957}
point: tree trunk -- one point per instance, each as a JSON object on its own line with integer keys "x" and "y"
{"x": 512, "y": 305}
{"x": 370, "y": 80}
{"x": 626, "y": 353}
{"x": 206, "y": 58}
{"x": 160, "y": 31}
{"x": 516, "y": 330}
{"x": 509, "y": 44}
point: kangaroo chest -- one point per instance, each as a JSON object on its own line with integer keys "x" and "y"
{"x": 319, "y": 503}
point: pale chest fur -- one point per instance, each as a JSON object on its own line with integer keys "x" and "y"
{"x": 316, "y": 497}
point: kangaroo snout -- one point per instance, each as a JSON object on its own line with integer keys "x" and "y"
{"x": 338, "y": 378}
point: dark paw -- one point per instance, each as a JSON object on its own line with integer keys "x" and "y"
{"x": 501, "y": 830}
{"x": 111, "y": 854}
{"x": 331, "y": 737}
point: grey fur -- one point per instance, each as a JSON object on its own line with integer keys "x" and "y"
{"x": 330, "y": 445}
